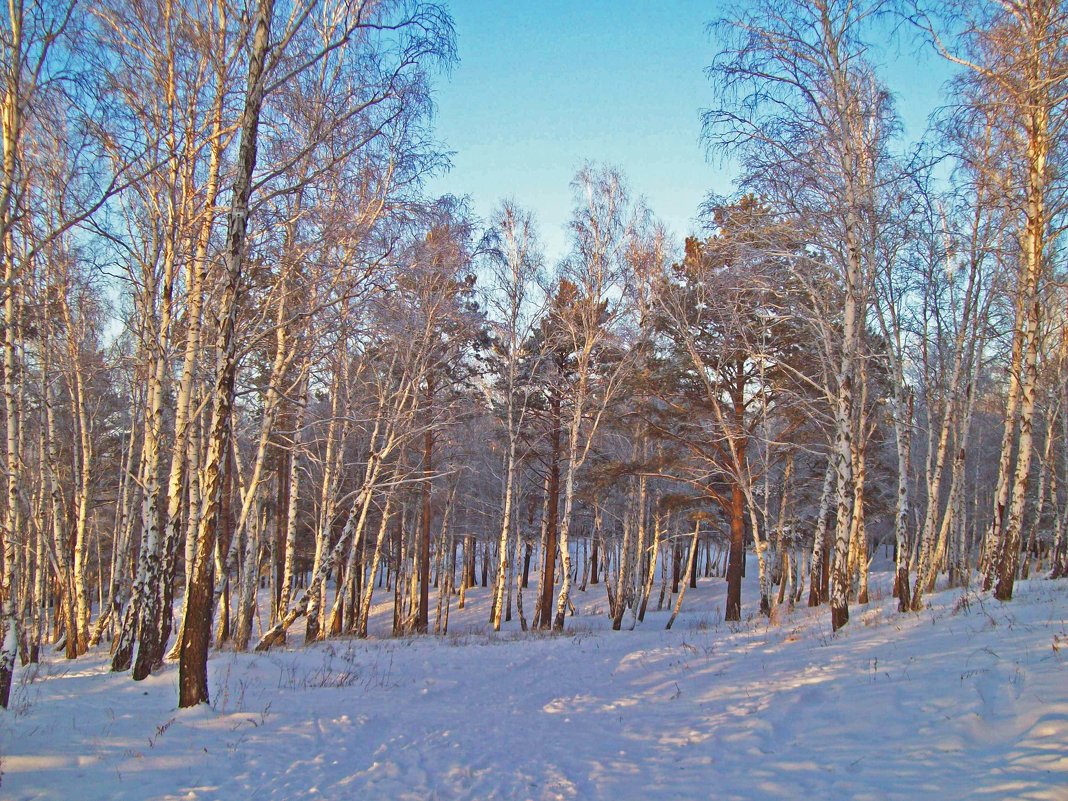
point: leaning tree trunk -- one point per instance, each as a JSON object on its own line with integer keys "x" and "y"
{"x": 690, "y": 563}
{"x": 352, "y": 532}
{"x": 364, "y": 614}
{"x": 653, "y": 556}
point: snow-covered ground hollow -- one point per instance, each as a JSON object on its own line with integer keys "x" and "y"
{"x": 965, "y": 700}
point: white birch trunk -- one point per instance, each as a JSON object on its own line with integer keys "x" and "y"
{"x": 819, "y": 538}
{"x": 294, "y": 501}
{"x": 569, "y": 498}
{"x": 692, "y": 557}
{"x": 654, "y": 554}
{"x": 506, "y": 519}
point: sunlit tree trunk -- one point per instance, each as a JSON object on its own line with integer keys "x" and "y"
{"x": 691, "y": 561}
{"x": 1033, "y": 247}
{"x": 819, "y": 537}
{"x": 196, "y": 630}
{"x": 654, "y": 554}
{"x": 294, "y": 481}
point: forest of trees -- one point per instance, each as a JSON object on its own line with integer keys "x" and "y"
{"x": 245, "y": 355}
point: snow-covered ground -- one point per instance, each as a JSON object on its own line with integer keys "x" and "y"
{"x": 966, "y": 700}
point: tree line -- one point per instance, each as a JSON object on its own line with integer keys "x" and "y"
{"x": 245, "y": 354}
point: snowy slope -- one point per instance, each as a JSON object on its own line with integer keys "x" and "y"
{"x": 961, "y": 701}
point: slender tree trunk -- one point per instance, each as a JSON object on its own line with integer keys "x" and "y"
{"x": 83, "y": 481}
{"x": 293, "y": 503}
{"x": 506, "y": 519}
{"x": 623, "y": 574}
{"x": 858, "y": 534}
{"x": 351, "y": 533}
{"x": 780, "y": 531}
{"x": 327, "y": 511}
{"x": 690, "y": 564}
{"x": 651, "y": 573}
{"x": 250, "y": 579}
{"x": 376, "y": 556}
{"x": 121, "y": 537}
{"x": 903, "y": 432}
{"x": 423, "y": 550}
{"x": 64, "y": 577}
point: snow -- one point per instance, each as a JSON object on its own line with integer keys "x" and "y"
{"x": 967, "y": 699}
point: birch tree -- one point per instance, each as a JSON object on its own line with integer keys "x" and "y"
{"x": 44, "y": 95}
{"x": 585, "y": 323}
{"x": 1013, "y": 54}
{"x": 515, "y": 263}
{"x": 299, "y": 44}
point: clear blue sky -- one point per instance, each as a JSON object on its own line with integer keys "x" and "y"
{"x": 543, "y": 86}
